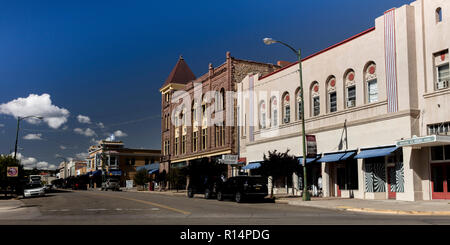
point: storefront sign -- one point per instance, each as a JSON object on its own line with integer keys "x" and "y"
{"x": 311, "y": 146}
{"x": 229, "y": 159}
{"x": 416, "y": 141}
{"x": 12, "y": 171}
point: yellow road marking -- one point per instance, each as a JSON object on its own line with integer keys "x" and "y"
{"x": 145, "y": 202}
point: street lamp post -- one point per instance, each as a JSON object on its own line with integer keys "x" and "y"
{"x": 298, "y": 52}
{"x": 17, "y": 132}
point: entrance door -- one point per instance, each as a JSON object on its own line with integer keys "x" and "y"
{"x": 340, "y": 180}
{"x": 440, "y": 181}
{"x": 391, "y": 182}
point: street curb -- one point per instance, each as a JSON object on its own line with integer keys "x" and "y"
{"x": 390, "y": 211}
{"x": 160, "y": 193}
{"x": 370, "y": 210}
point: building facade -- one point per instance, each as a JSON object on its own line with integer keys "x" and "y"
{"x": 190, "y": 107}
{"x": 377, "y": 103}
{"x": 112, "y": 157}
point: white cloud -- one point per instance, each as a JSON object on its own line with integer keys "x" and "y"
{"x": 2, "y": 125}
{"x": 100, "y": 125}
{"x": 83, "y": 119}
{"x": 42, "y": 165}
{"x": 119, "y": 133}
{"x": 27, "y": 162}
{"x": 82, "y": 155}
{"x": 36, "y": 105}
{"x": 33, "y": 137}
{"x": 62, "y": 147}
{"x": 87, "y": 132}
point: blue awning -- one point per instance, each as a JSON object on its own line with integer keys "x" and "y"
{"x": 153, "y": 171}
{"x": 96, "y": 172}
{"x": 336, "y": 157}
{"x": 308, "y": 160}
{"x": 115, "y": 173}
{"x": 377, "y": 152}
{"x": 148, "y": 167}
{"x": 254, "y": 165}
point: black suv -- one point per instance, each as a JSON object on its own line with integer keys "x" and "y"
{"x": 242, "y": 187}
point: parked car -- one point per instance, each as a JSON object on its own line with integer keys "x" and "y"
{"x": 33, "y": 190}
{"x": 111, "y": 184}
{"x": 242, "y": 188}
{"x": 48, "y": 188}
{"x": 204, "y": 185}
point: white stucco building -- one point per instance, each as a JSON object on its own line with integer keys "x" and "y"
{"x": 366, "y": 100}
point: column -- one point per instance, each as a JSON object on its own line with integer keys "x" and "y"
{"x": 325, "y": 179}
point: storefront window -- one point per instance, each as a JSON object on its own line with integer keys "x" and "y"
{"x": 437, "y": 153}
{"x": 447, "y": 154}
{"x": 375, "y": 174}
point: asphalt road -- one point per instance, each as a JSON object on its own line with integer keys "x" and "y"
{"x": 135, "y": 208}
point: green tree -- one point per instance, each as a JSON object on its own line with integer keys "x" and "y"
{"x": 278, "y": 164}
{"x": 177, "y": 177}
{"x": 141, "y": 177}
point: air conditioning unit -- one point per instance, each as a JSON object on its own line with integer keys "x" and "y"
{"x": 442, "y": 84}
{"x": 350, "y": 103}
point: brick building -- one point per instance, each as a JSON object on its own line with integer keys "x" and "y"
{"x": 117, "y": 157}
{"x": 188, "y": 134}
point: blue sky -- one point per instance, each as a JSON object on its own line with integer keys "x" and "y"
{"x": 107, "y": 59}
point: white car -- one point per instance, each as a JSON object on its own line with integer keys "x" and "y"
{"x": 33, "y": 190}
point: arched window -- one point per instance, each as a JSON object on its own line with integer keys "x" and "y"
{"x": 286, "y": 108}
{"x": 350, "y": 88}
{"x": 273, "y": 112}
{"x": 262, "y": 114}
{"x": 331, "y": 94}
{"x": 298, "y": 105}
{"x": 370, "y": 78}
{"x": 438, "y": 15}
{"x": 315, "y": 99}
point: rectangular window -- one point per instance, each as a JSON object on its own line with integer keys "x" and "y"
{"x": 183, "y": 144}
{"x": 443, "y": 77}
{"x": 216, "y": 132}
{"x": 437, "y": 153}
{"x": 175, "y": 151}
{"x": 333, "y": 102}
{"x": 263, "y": 120}
{"x": 223, "y": 135}
{"x": 275, "y": 118}
{"x": 351, "y": 96}
{"x": 299, "y": 110}
{"x": 372, "y": 91}
{"x": 194, "y": 141}
{"x": 316, "y": 106}
{"x": 204, "y": 138}
{"x": 287, "y": 114}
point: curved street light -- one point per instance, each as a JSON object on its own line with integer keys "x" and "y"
{"x": 17, "y": 132}
{"x": 298, "y": 53}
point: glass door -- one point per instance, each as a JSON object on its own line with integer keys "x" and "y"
{"x": 440, "y": 181}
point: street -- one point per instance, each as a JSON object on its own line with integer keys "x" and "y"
{"x": 136, "y": 208}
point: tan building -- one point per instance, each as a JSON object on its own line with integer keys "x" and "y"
{"x": 378, "y": 104}
{"x": 112, "y": 157}
{"x": 189, "y": 131}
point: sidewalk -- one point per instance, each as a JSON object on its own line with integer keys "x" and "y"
{"x": 435, "y": 207}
